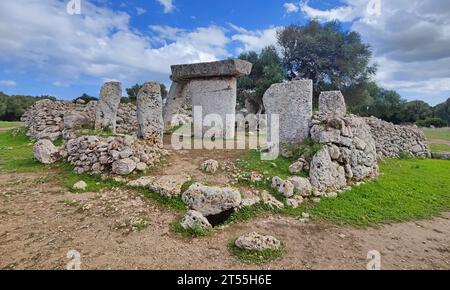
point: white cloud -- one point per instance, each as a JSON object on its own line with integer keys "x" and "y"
{"x": 140, "y": 11}
{"x": 40, "y": 38}
{"x": 168, "y": 5}
{"x": 290, "y": 8}
{"x": 8, "y": 83}
{"x": 255, "y": 40}
{"x": 410, "y": 40}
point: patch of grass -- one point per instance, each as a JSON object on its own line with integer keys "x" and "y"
{"x": 307, "y": 149}
{"x": 250, "y": 212}
{"x": 195, "y": 232}
{"x": 255, "y": 257}
{"x": 440, "y": 148}
{"x": 252, "y": 162}
{"x": 16, "y": 152}
{"x": 174, "y": 129}
{"x": 443, "y": 133}
{"x": 175, "y": 202}
{"x": 407, "y": 190}
{"x": 186, "y": 185}
{"x": 4, "y": 124}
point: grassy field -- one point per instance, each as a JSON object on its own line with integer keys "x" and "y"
{"x": 4, "y": 124}
{"x": 406, "y": 190}
{"x": 440, "y": 147}
{"x": 442, "y": 134}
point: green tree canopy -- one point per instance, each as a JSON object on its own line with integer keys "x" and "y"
{"x": 134, "y": 90}
{"x": 12, "y": 107}
{"x": 442, "y": 111}
{"x": 334, "y": 59}
{"x": 266, "y": 71}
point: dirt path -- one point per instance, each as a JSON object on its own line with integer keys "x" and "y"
{"x": 40, "y": 222}
{"x": 439, "y": 141}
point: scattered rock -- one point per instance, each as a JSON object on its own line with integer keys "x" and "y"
{"x": 45, "y": 152}
{"x": 141, "y": 166}
{"x": 302, "y": 186}
{"x": 210, "y": 166}
{"x": 296, "y": 167}
{"x": 169, "y": 185}
{"x": 211, "y": 200}
{"x": 80, "y": 185}
{"x": 257, "y": 242}
{"x": 124, "y": 166}
{"x": 284, "y": 187}
{"x": 194, "y": 219}
{"x": 270, "y": 200}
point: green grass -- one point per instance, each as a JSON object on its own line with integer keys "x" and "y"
{"x": 440, "y": 148}
{"x": 443, "y": 134}
{"x": 195, "y": 232}
{"x": 255, "y": 257}
{"x": 4, "y": 124}
{"x": 407, "y": 190}
{"x": 16, "y": 152}
{"x": 252, "y": 162}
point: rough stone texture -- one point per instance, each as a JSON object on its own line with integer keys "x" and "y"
{"x": 210, "y": 166}
{"x": 441, "y": 155}
{"x": 141, "y": 182}
{"x": 169, "y": 185}
{"x": 302, "y": 186}
{"x": 232, "y": 68}
{"x": 349, "y": 152}
{"x": 216, "y": 97}
{"x": 149, "y": 112}
{"x": 80, "y": 185}
{"x": 257, "y": 242}
{"x": 177, "y": 104}
{"x": 48, "y": 119}
{"x": 283, "y": 186}
{"x": 391, "y": 140}
{"x": 45, "y": 152}
{"x": 106, "y": 114}
{"x": 124, "y": 166}
{"x": 195, "y": 219}
{"x": 270, "y": 200}
{"x": 96, "y": 154}
{"x": 296, "y": 167}
{"x": 211, "y": 200}
{"x": 332, "y": 103}
{"x": 292, "y": 101}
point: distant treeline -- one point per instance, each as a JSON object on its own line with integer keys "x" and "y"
{"x": 12, "y": 107}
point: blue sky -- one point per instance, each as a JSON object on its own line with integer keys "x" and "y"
{"x": 44, "y": 50}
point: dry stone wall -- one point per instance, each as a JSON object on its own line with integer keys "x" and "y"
{"x": 392, "y": 140}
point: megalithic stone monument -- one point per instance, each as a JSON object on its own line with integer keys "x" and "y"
{"x": 106, "y": 112}
{"x": 149, "y": 112}
{"x": 211, "y": 86}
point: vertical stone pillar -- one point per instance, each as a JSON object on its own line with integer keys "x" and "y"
{"x": 106, "y": 112}
{"x": 149, "y": 112}
{"x": 175, "y": 100}
{"x": 292, "y": 101}
{"x": 332, "y": 103}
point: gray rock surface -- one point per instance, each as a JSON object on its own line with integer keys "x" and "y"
{"x": 231, "y": 67}
{"x": 194, "y": 219}
{"x": 292, "y": 101}
{"x": 124, "y": 166}
{"x": 149, "y": 112}
{"x": 210, "y": 166}
{"x": 45, "y": 152}
{"x": 257, "y": 242}
{"x": 169, "y": 185}
{"x": 211, "y": 200}
{"x": 106, "y": 114}
{"x": 332, "y": 102}
{"x": 80, "y": 185}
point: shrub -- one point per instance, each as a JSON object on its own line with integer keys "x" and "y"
{"x": 307, "y": 149}
{"x": 428, "y": 122}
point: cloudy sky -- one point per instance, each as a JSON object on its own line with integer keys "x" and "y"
{"x": 47, "y": 49}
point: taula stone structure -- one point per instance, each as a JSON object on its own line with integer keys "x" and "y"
{"x": 149, "y": 112}
{"x": 106, "y": 114}
{"x": 211, "y": 86}
{"x": 292, "y": 101}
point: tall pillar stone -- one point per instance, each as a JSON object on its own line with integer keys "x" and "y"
{"x": 106, "y": 112}
{"x": 210, "y": 86}
{"x": 332, "y": 103}
{"x": 292, "y": 101}
{"x": 149, "y": 112}
{"x": 176, "y": 98}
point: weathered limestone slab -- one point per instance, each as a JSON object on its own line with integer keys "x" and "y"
{"x": 332, "y": 102}
{"x": 292, "y": 101}
{"x": 106, "y": 113}
{"x": 176, "y": 98}
{"x": 149, "y": 112}
{"x": 231, "y": 67}
{"x": 217, "y": 98}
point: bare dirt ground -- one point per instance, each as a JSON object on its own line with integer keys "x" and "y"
{"x": 40, "y": 221}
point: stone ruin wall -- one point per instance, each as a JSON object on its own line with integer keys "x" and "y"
{"x": 48, "y": 119}
{"x": 392, "y": 140}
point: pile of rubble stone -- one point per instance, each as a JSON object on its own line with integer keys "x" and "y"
{"x": 392, "y": 140}
{"x": 120, "y": 155}
{"x": 49, "y": 119}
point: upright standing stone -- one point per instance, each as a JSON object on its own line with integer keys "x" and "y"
{"x": 292, "y": 101}
{"x": 149, "y": 112}
{"x": 175, "y": 101}
{"x": 106, "y": 113}
{"x": 332, "y": 102}
{"x": 211, "y": 86}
